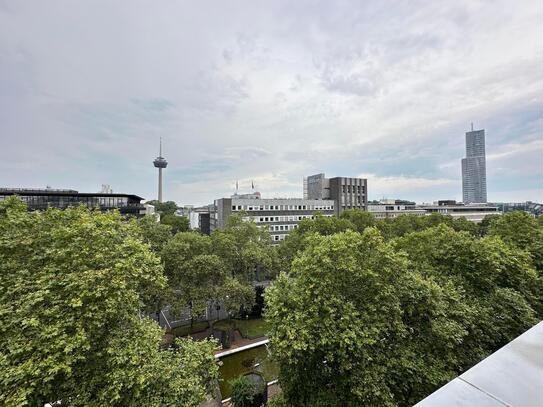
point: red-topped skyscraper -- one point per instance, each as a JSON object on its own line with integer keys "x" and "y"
{"x": 160, "y": 163}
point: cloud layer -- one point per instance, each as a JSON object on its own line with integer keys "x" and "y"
{"x": 270, "y": 92}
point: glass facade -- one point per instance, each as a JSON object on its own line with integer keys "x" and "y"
{"x": 43, "y": 199}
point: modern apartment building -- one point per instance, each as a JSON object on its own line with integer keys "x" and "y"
{"x": 347, "y": 193}
{"x": 41, "y": 199}
{"x": 474, "y": 168}
{"x": 280, "y": 215}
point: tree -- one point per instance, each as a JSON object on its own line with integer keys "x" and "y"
{"x": 236, "y": 296}
{"x": 498, "y": 283}
{"x": 72, "y": 286}
{"x": 164, "y": 208}
{"x": 154, "y": 233}
{"x": 332, "y": 318}
{"x": 243, "y": 391}
{"x": 245, "y": 248}
{"x": 361, "y": 321}
{"x": 195, "y": 275}
{"x": 520, "y": 230}
{"x": 177, "y": 223}
{"x": 322, "y": 225}
{"x": 360, "y": 219}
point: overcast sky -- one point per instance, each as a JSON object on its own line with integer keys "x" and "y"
{"x": 270, "y": 91}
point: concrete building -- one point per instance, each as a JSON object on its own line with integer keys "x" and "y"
{"x": 279, "y": 215}
{"x": 392, "y": 208}
{"x": 472, "y": 212}
{"x": 41, "y": 199}
{"x": 347, "y": 193}
{"x": 474, "y": 168}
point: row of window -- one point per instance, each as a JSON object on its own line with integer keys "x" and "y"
{"x": 294, "y": 218}
{"x": 282, "y": 207}
{"x": 65, "y": 201}
{"x": 353, "y": 189}
{"x": 277, "y": 238}
{"x": 282, "y": 228}
{"x": 358, "y": 199}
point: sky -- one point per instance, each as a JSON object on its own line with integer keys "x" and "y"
{"x": 269, "y": 92}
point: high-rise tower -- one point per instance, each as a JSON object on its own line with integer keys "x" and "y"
{"x": 160, "y": 163}
{"x": 474, "y": 168}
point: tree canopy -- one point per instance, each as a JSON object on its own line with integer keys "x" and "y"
{"x": 359, "y": 320}
{"x": 72, "y": 286}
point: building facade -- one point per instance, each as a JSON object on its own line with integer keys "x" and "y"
{"x": 279, "y": 216}
{"x": 41, "y": 199}
{"x": 346, "y": 192}
{"x": 474, "y": 168}
{"x": 392, "y": 208}
{"x": 472, "y": 212}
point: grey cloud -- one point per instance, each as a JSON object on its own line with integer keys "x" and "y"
{"x": 265, "y": 91}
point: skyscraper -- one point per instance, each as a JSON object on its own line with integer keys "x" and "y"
{"x": 474, "y": 168}
{"x": 160, "y": 163}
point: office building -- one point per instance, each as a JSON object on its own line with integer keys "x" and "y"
{"x": 279, "y": 216}
{"x": 474, "y": 168}
{"x": 472, "y": 212}
{"x": 41, "y": 199}
{"x": 392, "y": 208}
{"x": 347, "y": 193}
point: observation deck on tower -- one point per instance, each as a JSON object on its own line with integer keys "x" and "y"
{"x": 160, "y": 162}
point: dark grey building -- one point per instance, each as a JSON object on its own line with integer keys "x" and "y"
{"x": 474, "y": 168}
{"x": 346, "y": 192}
{"x": 41, "y": 199}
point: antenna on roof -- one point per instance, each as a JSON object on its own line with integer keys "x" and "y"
{"x": 160, "y": 152}
{"x": 471, "y": 126}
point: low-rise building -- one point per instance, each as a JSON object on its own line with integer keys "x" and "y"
{"x": 278, "y": 215}
{"x": 392, "y": 208}
{"x": 41, "y": 199}
{"x": 472, "y": 212}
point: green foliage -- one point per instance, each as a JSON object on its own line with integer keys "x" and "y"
{"x": 154, "y": 233}
{"x": 245, "y": 248}
{"x": 195, "y": 276}
{"x": 360, "y": 219}
{"x": 322, "y": 225}
{"x": 361, "y": 321}
{"x": 72, "y": 285}
{"x": 236, "y": 296}
{"x": 164, "y": 208}
{"x": 523, "y": 231}
{"x": 177, "y": 223}
{"x": 243, "y": 391}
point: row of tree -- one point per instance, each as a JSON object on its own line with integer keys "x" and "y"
{"x": 382, "y": 313}
{"x": 364, "y": 312}
{"x": 73, "y": 287}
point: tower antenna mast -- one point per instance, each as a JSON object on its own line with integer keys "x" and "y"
{"x": 160, "y": 163}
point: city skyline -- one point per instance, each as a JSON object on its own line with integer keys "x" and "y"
{"x": 270, "y": 94}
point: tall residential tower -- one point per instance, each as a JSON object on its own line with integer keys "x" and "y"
{"x": 160, "y": 163}
{"x": 474, "y": 168}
